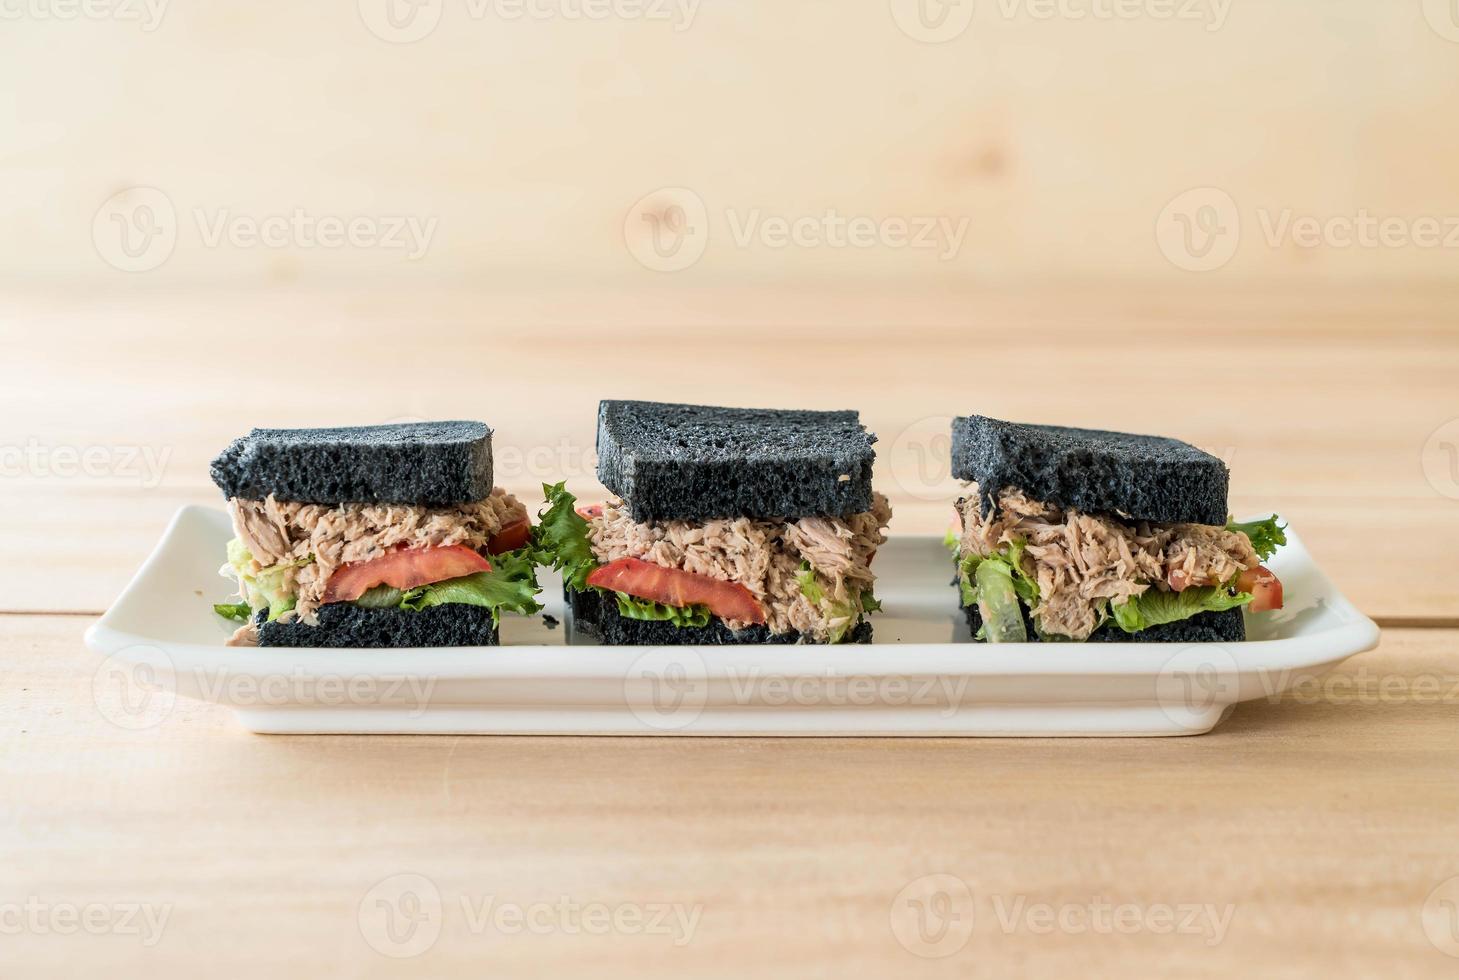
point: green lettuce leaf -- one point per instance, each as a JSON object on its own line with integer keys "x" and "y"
{"x": 632, "y": 607}
{"x": 1265, "y": 536}
{"x": 264, "y": 589}
{"x": 952, "y": 542}
{"x": 560, "y": 539}
{"x": 809, "y": 587}
{"x": 1025, "y": 586}
{"x": 240, "y": 612}
{"x": 844, "y": 610}
{"x": 1154, "y": 608}
{"x": 511, "y": 584}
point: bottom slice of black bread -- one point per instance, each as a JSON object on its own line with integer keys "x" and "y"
{"x": 596, "y": 615}
{"x": 343, "y": 624}
{"x": 1226, "y": 626}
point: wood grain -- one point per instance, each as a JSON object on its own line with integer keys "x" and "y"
{"x": 1058, "y": 131}
{"x": 1326, "y": 405}
{"x": 1323, "y": 820}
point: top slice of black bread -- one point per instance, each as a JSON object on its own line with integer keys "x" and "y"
{"x": 432, "y": 464}
{"x": 698, "y": 463}
{"x": 1148, "y": 478}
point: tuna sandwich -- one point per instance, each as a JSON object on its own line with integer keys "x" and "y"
{"x": 379, "y": 536}
{"x": 726, "y": 525}
{"x": 1078, "y": 534}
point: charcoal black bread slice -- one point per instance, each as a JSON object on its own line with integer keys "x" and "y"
{"x": 432, "y": 464}
{"x": 1226, "y": 626}
{"x": 343, "y": 624}
{"x": 698, "y": 463}
{"x": 1148, "y": 478}
{"x": 596, "y": 615}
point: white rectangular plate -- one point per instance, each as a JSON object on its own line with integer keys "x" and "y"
{"x": 922, "y": 676}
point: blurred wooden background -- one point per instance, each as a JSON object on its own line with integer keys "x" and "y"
{"x": 1061, "y": 137}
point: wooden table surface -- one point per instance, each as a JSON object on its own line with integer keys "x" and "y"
{"x": 1313, "y": 833}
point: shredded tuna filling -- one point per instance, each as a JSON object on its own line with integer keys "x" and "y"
{"x": 764, "y": 557}
{"x": 316, "y": 539}
{"x": 1083, "y": 562}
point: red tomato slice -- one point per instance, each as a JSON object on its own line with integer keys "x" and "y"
{"x": 589, "y": 511}
{"x": 1265, "y": 588}
{"x": 404, "y": 569}
{"x": 509, "y": 538}
{"x": 675, "y": 587}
